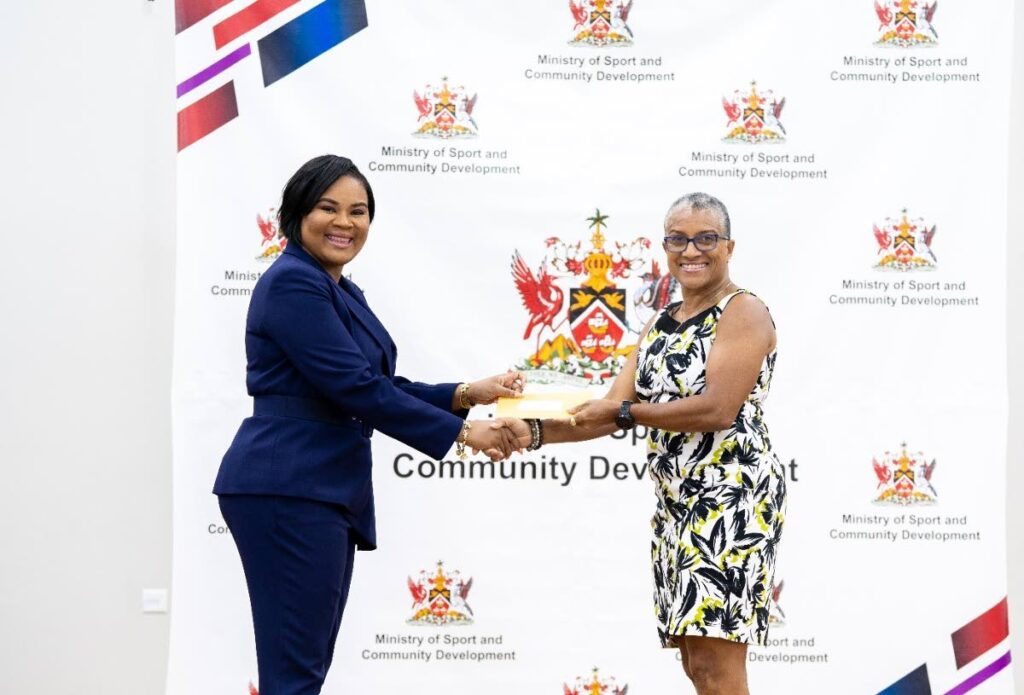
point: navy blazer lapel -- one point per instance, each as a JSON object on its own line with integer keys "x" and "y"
{"x": 357, "y": 306}
{"x": 361, "y": 310}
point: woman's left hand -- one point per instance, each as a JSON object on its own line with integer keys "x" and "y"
{"x": 487, "y": 391}
{"x": 594, "y": 413}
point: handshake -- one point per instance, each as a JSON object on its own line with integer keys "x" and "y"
{"x": 500, "y": 438}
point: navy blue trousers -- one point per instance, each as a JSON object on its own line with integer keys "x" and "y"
{"x": 297, "y": 556}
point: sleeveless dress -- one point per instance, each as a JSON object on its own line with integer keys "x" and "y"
{"x": 721, "y": 496}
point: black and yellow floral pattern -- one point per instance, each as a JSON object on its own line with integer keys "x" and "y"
{"x": 721, "y": 495}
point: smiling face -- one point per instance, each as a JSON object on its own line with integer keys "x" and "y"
{"x": 334, "y": 231}
{"x": 695, "y": 270}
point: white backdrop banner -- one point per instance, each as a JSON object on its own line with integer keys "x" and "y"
{"x": 522, "y": 153}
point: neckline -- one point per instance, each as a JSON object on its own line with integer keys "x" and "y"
{"x": 667, "y": 324}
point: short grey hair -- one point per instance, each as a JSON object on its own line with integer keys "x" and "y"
{"x": 702, "y": 201}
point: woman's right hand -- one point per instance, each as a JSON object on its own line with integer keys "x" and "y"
{"x": 519, "y": 428}
{"x": 494, "y": 438}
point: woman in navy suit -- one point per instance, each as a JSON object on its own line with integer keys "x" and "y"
{"x": 295, "y": 486}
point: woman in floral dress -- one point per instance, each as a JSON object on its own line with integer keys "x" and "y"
{"x": 697, "y": 382}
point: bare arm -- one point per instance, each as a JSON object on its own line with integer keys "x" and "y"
{"x": 558, "y": 431}
{"x": 745, "y": 334}
{"x": 623, "y": 389}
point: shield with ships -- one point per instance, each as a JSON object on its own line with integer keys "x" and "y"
{"x": 597, "y": 320}
{"x": 597, "y": 309}
{"x": 584, "y": 288}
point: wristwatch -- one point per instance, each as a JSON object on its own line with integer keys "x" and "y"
{"x": 624, "y": 420}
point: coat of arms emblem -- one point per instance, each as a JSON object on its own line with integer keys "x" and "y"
{"x": 439, "y": 598}
{"x": 595, "y": 685}
{"x": 906, "y": 23}
{"x": 591, "y": 306}
{"x": 601, "y": 23}
{"x": 776, "y": 616}
{"x": 905, "y": 244}
{"x": 904, "y": 478}
{"x": 273, "y": 242}
{"x": 754, "y": 116}
{"x": 445, "y": 112}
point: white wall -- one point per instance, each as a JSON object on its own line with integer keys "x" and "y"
{"x": 87, "y": 173}
{"x": 87, "y": 161}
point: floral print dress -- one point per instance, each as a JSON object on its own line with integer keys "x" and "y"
{"x": 721, "y": 496}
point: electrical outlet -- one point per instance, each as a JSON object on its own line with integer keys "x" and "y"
{"x": 154, "y": 600}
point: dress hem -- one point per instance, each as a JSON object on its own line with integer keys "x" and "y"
{"x": 668, "y": 639}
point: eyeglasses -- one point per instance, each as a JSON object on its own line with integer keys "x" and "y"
{"x": 705, "y": 241}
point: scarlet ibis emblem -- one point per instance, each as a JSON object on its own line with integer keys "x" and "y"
{"x": 906, "y": 23}
{"x": 445, "y": 112}
{"x": 440, "y": 598}
{"x": 272, "y": 241}
{"x": 595, "y": 685}
{"x": 601, "y": 23}
{"x": 905, "y": 243}
{"x": 904, "y": 478}
{"x": 586, "y": 289}
{"x": 776, "y": 616}
{"x": 753, "y": 116}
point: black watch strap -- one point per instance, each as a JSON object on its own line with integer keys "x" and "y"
{"x": 624, "y": 420}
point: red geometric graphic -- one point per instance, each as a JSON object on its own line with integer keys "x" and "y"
{"x": 189, "y": 12}
{"x": 198, "y": 120}
{"x": 248, "y": 19}
{"x": 981, "y": 634}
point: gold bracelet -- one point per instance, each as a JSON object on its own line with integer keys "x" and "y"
{"x": 460, "y": 443}
{"x": 464, "y": 401}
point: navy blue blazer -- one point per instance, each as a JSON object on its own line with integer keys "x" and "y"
{"x": 321, "y": 373}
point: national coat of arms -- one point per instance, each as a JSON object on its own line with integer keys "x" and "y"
{"x": 445, "y": 111}
{"x": 754, "y": 116}
{"x": 273, "y": 242}
{"x": 906, "y": 23}
{"x": 601, "y": 23}
{"x": 776, "y": 616}
{"x": 439, "y": 598}
{"x": 905, "y": 244}
{"x": 595, "y": 685}
{"x": 655, "y": 292}
{"x": 576, "y": 287}
{"x": 904, "y": 478}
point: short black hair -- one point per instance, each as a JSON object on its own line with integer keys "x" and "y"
{"x": 307, "y": 185}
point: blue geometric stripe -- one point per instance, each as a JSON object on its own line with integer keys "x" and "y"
{"x": 914, "y": 683}
{"x": 309, "y": 35}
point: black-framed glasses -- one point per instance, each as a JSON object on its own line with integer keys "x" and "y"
{"x": 705, "y": 241}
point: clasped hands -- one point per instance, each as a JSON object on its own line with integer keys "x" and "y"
{"x": 500, "y": 438}
{"x": 496, "y": 438}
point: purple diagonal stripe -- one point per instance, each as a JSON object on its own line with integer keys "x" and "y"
{"x": 982, "y": 675}
{"x": 214, "y": 70}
